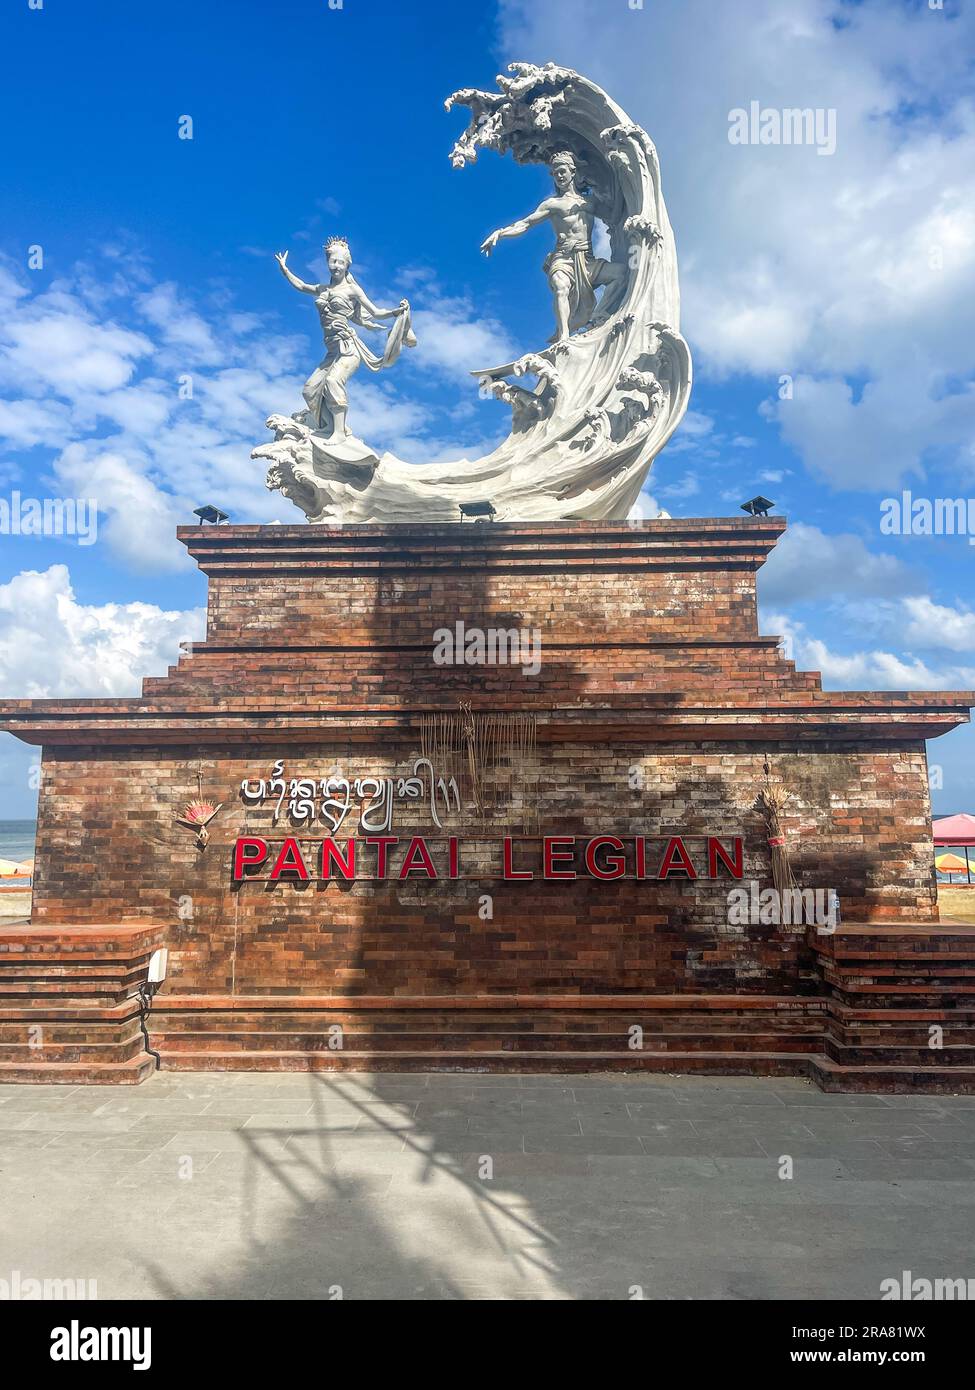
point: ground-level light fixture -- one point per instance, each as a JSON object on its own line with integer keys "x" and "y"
{"x": 147, "y": 990}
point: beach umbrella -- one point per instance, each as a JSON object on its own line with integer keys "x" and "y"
{"x": 950, "y": 864}
{"x": 8, "y": 869}
{"x": 954, "y": 830}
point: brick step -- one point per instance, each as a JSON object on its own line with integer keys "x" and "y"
{"x": 906, "y": 977}
{"x": 59, "y": 996}
{"x": 372, "y": 1043}
{"x": 904, "y": 1036}
{"x": 921, "y": 955}
{"x": 77, "y": 1050}
{"x": 886, "y": 998}
{"x": 898, "y": 975}
{"x": 77, "y": 984}
{"x": 828, "y": 1074}
{"x": 69, "y": 1030}
{"x": 44, "y": 965}
{"x": 834, "y": 1076}
{"x": 94, "y": 1073}
{"x": 892, "y": 938}
{"x": 22, "y": 1013}
{"x": 429, "y": 685}
{"x": 715, "y": 1063}
{"x": 381, "y": 1024}
{"x": 913, "y": 1024}
{"x": 919, "y": 1055}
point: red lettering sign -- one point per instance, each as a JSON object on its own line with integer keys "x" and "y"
{"x": 249, "y": 852}
{"x": 382, "y": 843}
{"x": 732, "y": 862}
{"x": 605, "y": 857}
{"x": 676, "y": 860}
{"x": 289, "y": 861}
{"x": 615, "y": 863}
{"x": 418, "y": 857}
{"x": 550, "y": 854}
{"x": 331, "y": 854}
{"x": 509, "y": 871}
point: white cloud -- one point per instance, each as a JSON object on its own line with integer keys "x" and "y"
{"x": 136, "y": 517}
{"x": 55, "y": 344}
{"x": 140, "y": 410}
{"x": 696, "y": 433}
{"x": 52, "y": 646}
{"x": 698, "y": 424}
{"x": 935, "y": 625}
{"x": 454, "y": 339}
{"x": 881, "y": 438}
{"x": 866, "y": 668}
{"x": 25, "y": 423}
{"x": 239, "y": 399}
{"x": 808, "y": 565}
{"x": 646, "y": 508}
{"x": 11, "y": 289}
{"x": 181, "y": 327}
{"x": 688, "y": 486}
{"x": 856, "y": 268}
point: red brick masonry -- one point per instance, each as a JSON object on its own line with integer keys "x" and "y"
{"x": 656, "y": 703}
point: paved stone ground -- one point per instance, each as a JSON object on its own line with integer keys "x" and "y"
{"x": 284, "y": 1186}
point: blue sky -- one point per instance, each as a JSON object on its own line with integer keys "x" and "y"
{"x": 852, "y": 273}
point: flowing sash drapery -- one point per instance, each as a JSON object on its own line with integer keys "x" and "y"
{"x": 344, "y": 347}
{"x": 401, "y": 333}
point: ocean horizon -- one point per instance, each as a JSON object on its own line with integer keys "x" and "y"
{"x": 17, "y": 839}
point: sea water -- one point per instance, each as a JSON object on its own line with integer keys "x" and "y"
{"x": 17, "y": 839}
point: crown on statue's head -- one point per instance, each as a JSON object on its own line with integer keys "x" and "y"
{"x": 338, "y": 241}
{"x": 562, "y": 157}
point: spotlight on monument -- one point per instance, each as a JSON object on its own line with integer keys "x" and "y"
{"x": 158, "y": 964}
{"x": 480, "y": 511}
{"x": 150, "y": 986}
{"x": 211, "y": 514}
{"x": 757, "y": 506}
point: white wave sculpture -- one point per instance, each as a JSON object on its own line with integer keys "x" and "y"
{"x": 607, "y": 393}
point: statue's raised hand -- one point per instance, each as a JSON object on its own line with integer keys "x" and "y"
{"x": 489, "y": 243}
{"x": 282, "y": 259}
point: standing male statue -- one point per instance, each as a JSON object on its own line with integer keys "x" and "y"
{"x": 574, "y": 273}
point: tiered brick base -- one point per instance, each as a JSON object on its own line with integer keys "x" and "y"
{"x": 68, "y": 1006}
{"x": 900, "y": 1006}
{"x": 657, "y": 702}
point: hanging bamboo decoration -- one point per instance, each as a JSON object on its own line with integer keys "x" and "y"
{"x": 490, "y": 756}
{"x": 772, "y": 805}
{"x": 468, "y": 731}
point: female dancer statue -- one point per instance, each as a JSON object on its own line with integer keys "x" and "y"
{"x": 342, "y": 303}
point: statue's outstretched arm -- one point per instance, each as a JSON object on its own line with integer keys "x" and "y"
{"x": 282, "y": 259}
{"x": 519, "y": 228}
{"x": 369, "y": 308}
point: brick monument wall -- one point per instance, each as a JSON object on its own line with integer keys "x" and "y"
{"x": 656, "y": 702}
{"x": 108, "y": 848}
